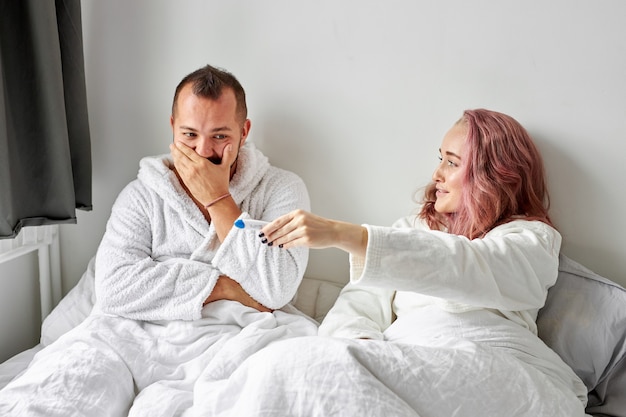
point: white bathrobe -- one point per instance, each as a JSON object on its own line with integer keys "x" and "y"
{"x": 149, "y": 348}
{"x": 418, "y": 286}
{"x": 159, "y": 258}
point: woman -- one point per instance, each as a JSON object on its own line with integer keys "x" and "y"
{"x": 483, "y": 239}
{"x": 446, "y": 300}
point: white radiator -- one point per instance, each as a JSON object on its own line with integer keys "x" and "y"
{"x": 45, "y": 241}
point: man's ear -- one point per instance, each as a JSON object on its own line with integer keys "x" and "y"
{"x": 172, "y": 122}
{"x": 245, "y": 130}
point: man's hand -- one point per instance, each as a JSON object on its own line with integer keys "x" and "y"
{"x": 229, "y": 289}
{"x": 202, "y": 178}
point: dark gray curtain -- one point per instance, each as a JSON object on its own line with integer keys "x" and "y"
{"x": 45, "y": 147}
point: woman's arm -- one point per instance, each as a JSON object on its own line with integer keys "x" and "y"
{"x": 511, "y": 268}
{"x": 301, "y": 228}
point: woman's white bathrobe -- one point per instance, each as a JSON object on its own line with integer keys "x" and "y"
{"x": 160, "y": 259}
{"x": 416, "y": 285}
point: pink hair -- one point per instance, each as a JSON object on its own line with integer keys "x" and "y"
{"x": 503, "y": 179}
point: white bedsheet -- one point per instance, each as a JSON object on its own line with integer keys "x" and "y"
{"x": 433, "y": 364}
{"x": 97, "y": 368}
{"x": 16, "y": 364}
{"x": 341, "y": 377}
{"x": 237, "y": 362}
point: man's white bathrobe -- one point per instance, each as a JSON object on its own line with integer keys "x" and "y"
{"x": 159, "y": 258}
{"x": 149, "y": 347}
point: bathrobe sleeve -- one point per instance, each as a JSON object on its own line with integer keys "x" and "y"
{"x": 510, "y": 269}
{"x": 360, "y": 312}
{"x": 133, "y": 277}
{"x": 269, "y": 274}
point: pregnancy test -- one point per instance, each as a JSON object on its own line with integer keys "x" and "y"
{"x": 250, "y": 224}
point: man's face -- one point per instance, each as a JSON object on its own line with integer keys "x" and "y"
{"x": 207, "y": 126}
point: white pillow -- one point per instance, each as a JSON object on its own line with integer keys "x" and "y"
{"x": 72, "y": 309}
{"x": 316, "y": 296}
{"x": 326, "y": 296}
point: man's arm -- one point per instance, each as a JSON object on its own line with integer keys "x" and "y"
{"x": 267, "y": 275}
{"x": 270, "y": 275}
{"x": 208, "y": 186}
{"x": 142, "y": 271}
{"x": 229, "y": 289}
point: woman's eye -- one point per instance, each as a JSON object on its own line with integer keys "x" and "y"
{"x": 449, "y": 162}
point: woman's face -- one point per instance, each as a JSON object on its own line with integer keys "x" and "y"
{"x": 448, "y": 175}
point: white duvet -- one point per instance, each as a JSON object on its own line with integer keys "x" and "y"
{"x": 110, "y": 366}
{"x": 425, "y": 369}
{"x": 238, "y": 362}
{"x": 343, "y": 377}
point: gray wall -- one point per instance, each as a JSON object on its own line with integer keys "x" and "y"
{"x": 355, "y": 97}
{"x": 20, "y": 311}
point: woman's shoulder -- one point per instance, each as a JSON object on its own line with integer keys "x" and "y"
{"x": 523, "y": 225}
{"x": 413, "y": 221}
{"x": 517, "y": 225}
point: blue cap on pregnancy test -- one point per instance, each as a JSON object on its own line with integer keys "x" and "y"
{"x": 250, "y": 224}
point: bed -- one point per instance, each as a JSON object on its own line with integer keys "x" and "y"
{"x": 583, "y": 321}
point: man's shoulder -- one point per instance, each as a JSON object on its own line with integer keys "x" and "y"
{"x": 155, "y": 164}
{"x": 279, "y": 184}
{"x": 133, "y": 191}
{"x": 152, "y": 171}
{"x": 276, "y": 170}
{"x": 278, "y": 174}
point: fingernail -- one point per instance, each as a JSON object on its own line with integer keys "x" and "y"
{"x": 270, "y": 244}
{"x": 264, "y": 241}
{"x": 261, "y": 234}
{"x": 280, "y": 246}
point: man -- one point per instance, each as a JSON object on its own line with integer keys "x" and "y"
{"x": 176, "y": 283}
{"x": 187, "y": 206}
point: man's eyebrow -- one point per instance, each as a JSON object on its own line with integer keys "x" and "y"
{"x": 221, "y": 129}
{"x": 217, "y": 129}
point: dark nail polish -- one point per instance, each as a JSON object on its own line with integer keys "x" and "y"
{"x": 270, "y": 244}
{"x": 264, "y": 241}
{"x": 280, "y": 246}
{"x": 261, "y": 234}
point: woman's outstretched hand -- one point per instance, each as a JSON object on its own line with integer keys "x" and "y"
{"x": 301, "y": 228}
